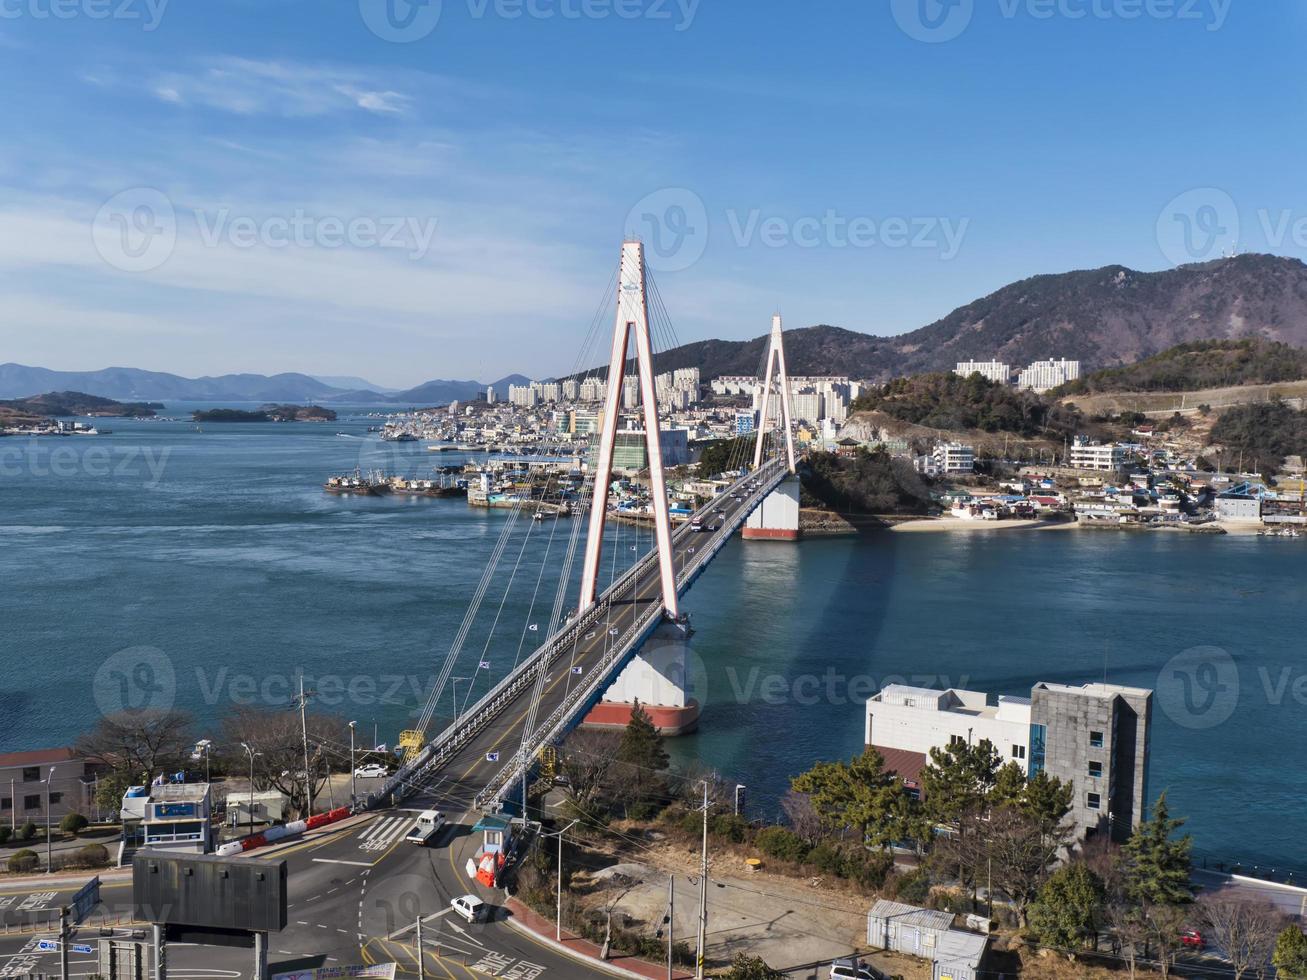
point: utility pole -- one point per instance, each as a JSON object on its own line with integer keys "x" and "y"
{"x": 304, "y": 731}
{"x": 65, "y": 936}
{"x": 49, "y": 863}
{"x": 671, "y": 921}
{"x": 703, "y": 890}
{"x": 353, "y": 780}
{"x": 558, "y": 919}
{"x": 422, "y": 963}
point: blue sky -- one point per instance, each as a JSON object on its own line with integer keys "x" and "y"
{"x": 362, "y": 187}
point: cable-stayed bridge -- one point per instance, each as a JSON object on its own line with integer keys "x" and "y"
{"x": 479, "y": 759}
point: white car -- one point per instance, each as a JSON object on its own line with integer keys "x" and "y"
{"x": 469, "y": 907}
{"x": 373, "y": 770}
{"x": 850, "y": 970}
{"x": 428, "y": 826}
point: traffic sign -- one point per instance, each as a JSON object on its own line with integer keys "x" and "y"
{"x": 83, "y": 948}
{"x": 48, "y": 945}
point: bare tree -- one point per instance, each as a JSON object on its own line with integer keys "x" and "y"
{"x": 1163, "y": 925}
{"x": 275, "y": 735}
{"x": 1244, "y": 930}
{"x": 1019, "y": 855}
{"x": 587, "y": 761}
{"x": 802, "y": 817}
{"x": 140, "y": 744}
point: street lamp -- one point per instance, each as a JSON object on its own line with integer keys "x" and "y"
{"x": 353, "y": 784}
{"x": 558, "y": 921}
{"x": 49, "y": 865}
{"x": 203, "y": 746}
{"x": 454, "y": 684}
{"x": 251, "y": 753}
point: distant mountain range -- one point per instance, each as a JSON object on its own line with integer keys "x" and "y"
{"x": 133, "y": 384}
{"x": 1102, "y": 317}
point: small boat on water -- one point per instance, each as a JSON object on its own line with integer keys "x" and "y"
{"x": 371, "y": 485}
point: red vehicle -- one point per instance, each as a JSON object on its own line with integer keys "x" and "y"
{"x": 1192, "y": 939}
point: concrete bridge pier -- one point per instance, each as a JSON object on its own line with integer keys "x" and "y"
{"x": 777, "y": 517}
{"x": 660, "y": 678}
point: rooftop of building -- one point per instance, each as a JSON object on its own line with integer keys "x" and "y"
{"x": 1096, "y": 690}
{"x": 911, "y": 915}
{"x": 36, "y": 757}
{"x": 955, "y": 701}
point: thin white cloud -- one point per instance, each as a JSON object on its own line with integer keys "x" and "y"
{"x": 248, "y": 87}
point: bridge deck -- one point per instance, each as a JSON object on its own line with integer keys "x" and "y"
{"x": 472, "y": 764}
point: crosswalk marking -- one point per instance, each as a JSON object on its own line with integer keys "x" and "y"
{"x": 384, "y": 832}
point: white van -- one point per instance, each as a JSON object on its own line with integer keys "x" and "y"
{"x": 429, "y": 825}
{"x": 469, "y": 907}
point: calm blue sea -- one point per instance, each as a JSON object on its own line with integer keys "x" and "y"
{"x": 164, "y": 565}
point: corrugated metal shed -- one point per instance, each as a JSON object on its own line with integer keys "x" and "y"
{"x": 911, "y": 915}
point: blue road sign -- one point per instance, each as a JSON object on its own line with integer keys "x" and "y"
{"x": 48, "y": 945}
{"x": 83, "y": 948}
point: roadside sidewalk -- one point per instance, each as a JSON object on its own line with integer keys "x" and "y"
{"x": 523, "y": 919}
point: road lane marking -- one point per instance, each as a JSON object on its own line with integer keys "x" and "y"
{"x": 356, "y": 864}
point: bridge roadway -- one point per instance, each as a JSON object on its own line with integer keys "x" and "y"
{"x": 472, "y": 765}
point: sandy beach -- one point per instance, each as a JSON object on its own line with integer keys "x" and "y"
{"x": 963, "y": 524}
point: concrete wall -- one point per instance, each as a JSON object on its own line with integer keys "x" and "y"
{"x": 777, "y": 517}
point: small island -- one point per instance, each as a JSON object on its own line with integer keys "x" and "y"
{"x": 267, "y": 413}
{"x": 65, "y": 404}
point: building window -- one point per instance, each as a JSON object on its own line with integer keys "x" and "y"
{"x": 1038, "y": 736}
{"x": 1095, "y": 769}
{"x": 1094, "y": 801}
{"x": 32, "y": 802}
{"x": 957, "y": 741}
{"x": 56, "y": 799}
{"x": 1095, "y": 740}
{"x": 1018, "y": 751}
{"x": 6, "y": 803}
{"x": 31, "y": 774}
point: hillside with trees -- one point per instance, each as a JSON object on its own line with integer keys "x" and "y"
{"x": 1264, "y": 433}
{"x": 1197, "y": 366}
{"x": 954, "y": 403}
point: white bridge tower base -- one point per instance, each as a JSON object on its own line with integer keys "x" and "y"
{"x": 777, "y": 517}
{"x": 658, "y": 679}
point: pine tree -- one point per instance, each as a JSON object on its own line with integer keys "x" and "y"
{"x": 1157, "y": 867}
{"x": 1066, "y": 914}
{"x": 641, "y": 746}
{"x": 1290, "y": 956}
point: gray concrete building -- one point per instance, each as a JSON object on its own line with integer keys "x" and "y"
{"x": 1096, "y": 738}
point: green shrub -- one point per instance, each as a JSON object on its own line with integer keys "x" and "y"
{"x": 24, "y": 861}
{"x": 827, "y": 859}
{"x": 869, "y": 869}
{"x": 913, "y": 888}
{"x": 782, "y": 844}
{"x": 26, "y": 832}
{"x": 92, "y": 856}
{"x": 73, "y": 823}
{"x": 745, "y": 967}
{"x": 730, "y": 827}
{"x": 5, "y": 834}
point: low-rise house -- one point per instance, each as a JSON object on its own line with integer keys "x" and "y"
{"x": 23, "y": 778}
{"x": 954, "y": 954}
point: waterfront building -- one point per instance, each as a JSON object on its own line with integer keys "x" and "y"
{"x": 953, "y": 459}
{"x": 1241, "y": 503}
{"x": 1042, "y": 375}
{"x": 167, "y": 817}
{"x": 995, "y": 371}
{"x": 1094, "y": 738}
{"x": 23, "y": 778}
{"x": 1086, "y": 455}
